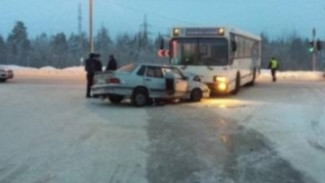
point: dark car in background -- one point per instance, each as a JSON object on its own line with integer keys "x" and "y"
{"x": 6, "y": 74}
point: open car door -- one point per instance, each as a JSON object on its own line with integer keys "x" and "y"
{"x": 180, "y": 82}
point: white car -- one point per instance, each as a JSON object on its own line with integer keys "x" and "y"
{"x": 5, "y": 75}
{"x": 143, "y": 82}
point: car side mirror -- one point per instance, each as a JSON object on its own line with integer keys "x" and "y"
{"x": 233, "y": 46}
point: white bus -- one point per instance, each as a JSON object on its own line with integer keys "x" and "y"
{"x": 224, "y": 58}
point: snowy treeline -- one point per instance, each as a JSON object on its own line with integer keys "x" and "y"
{"x": 291, "y": 51}
{"x": 61, "y": 50}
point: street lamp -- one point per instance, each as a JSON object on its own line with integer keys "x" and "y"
{"x": 91, "y": 41}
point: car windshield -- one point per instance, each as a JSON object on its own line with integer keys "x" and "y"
{"x": 202, "y": 51}
{"x": 127, "y": 68}
{"x": 174, "y": 71}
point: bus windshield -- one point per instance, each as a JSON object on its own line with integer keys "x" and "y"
{"x": 199, "y": 51}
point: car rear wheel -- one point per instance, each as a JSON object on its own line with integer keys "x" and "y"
{"x": 140, "y": 98}
{"x": 196, "y": 95}
{"x": 115, "y": 99}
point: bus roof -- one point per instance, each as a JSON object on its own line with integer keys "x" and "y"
{"x": 219, "y": 31}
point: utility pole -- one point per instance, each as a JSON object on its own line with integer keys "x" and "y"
{"x": 144, "y": 30}
{"x": 91, "y": 41}
{"x": 315, "y": 51}
{"x": 80, "y": 47}
{"x": 145, "y": 27}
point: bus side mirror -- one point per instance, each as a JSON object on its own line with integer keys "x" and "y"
{"x": 233, "y": 46}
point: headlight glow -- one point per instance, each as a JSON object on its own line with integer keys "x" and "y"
{"x": 176, "y": 32}
{"x": 222, "y": 86}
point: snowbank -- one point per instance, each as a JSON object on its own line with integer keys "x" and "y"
{"x": 48, "y": 68}
{"x": 46, "y": 72}
{"x": 293, "y": 75}
{"x": 16, "y": 67}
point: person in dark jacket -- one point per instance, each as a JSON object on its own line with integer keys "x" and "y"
{"x": 274, "y": 66}
{"x": 92, "y": 66}
{"x": 112, "y": 65}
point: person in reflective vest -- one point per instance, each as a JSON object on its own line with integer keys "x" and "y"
{"x": 274, "y": 66}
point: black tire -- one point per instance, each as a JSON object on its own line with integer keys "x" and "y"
{"x": 3, "y": 80}
{"x": 252, "y": 83}
{"x": 140, "y": 97}
{"x": 196, "y": 95}
{"x": 237, "y": 85}
{"x": 115, "y": 99}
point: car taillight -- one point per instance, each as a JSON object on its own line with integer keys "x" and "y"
{"x": 113, "y": 81}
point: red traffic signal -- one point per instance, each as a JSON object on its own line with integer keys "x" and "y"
{"x": 163, "y": 53}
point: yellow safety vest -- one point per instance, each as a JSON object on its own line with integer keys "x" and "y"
{"x": 274, "y": 64}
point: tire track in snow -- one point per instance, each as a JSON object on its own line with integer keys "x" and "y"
{"x": 192, "y": 145}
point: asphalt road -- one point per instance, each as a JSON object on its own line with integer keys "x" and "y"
{"x": 269, "y": 133}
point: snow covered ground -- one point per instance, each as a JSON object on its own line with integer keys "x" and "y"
{"x": 293, "y": 75}
{"x": 290, "y": 114}
{"x": 272, "y": 132}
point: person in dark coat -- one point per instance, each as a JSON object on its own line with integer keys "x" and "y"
{"x": 92, "y": 66}
{"x": 112, "y": 65}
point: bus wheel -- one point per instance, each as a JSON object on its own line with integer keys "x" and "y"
{"x": 196, "y": 95}
{"x": 252, "y": 83}
{"x": 237, "y": 85}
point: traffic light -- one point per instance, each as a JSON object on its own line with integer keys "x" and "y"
{"x": 318, "y": 45}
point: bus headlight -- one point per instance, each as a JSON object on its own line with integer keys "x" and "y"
{"x": 222, "y": 86}
{"x": 221, "y": 83}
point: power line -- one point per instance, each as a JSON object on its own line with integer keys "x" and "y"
{"x": 152, "y": 13}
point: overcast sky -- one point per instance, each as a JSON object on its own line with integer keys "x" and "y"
{"x": 275, "y": 17}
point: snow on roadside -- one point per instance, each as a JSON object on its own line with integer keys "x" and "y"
{"x": 16, "y": 67}
{"x": 292, "y": 75}
{"x": 47, "y": 71}
{"x": 48, "y": 68}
